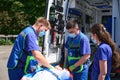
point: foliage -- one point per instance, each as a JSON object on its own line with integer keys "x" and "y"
{"x": 5, "y": 42}
{"x": 12, "y": 24}
{"x": 41, "y": 41}
{"x": 17, "y": 14}
{"x": 4, "y": 22}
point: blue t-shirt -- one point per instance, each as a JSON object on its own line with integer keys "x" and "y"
{"x": 80, "y": 40}
{"x": 31, "y": 42}
{"x": 81, "y": 47}
{"x": 104, "y": 52}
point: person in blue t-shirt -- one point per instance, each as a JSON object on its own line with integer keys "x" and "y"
{"x": 106, "y": 55}
{"x": 77, "y": 52}
{"x": 26, "y": 44}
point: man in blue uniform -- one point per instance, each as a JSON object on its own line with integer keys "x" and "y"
{"x": 77, "y": 52}
{"x": 26, "y": 44}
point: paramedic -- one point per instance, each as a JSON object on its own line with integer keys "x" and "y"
{"x": 77, "y": 52}
{"x": 106, "y": 55}
{"x": 27, "y": 43}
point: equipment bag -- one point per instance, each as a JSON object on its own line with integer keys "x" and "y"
{"x": 31, "y": 65}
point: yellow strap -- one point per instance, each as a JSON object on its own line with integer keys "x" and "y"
{"x": 75, "y": 58}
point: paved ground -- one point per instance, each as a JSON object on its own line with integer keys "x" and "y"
{"x": 4, "y": 54}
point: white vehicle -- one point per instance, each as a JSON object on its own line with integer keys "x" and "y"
{"x": 87, "y": 13}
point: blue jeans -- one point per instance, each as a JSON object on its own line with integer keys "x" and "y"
{"x": 15, "y": 74}
{"x": 82, "y": 75}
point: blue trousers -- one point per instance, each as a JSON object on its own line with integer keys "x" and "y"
{"x": 82, "y": 75}
{"x": 94, "y": 76}
{"x": 15, "y": 74}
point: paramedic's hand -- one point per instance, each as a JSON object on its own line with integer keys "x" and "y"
{"x": 71, "y": 68}
{"x": 58, "y": 67}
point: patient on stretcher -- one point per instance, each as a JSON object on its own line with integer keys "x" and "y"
{"x": 48, "y": 74}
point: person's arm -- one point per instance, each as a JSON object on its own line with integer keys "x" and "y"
{"x": 84, "y": 50}
{"x": 103, "y": 69}
{"x": 31, "y": 44}
{"x": 41, "y": 59}
{"x": 82, "y": 60}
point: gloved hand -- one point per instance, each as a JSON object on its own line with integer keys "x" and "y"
{"x": 58, "y": 67}
{"x": 71, "y": 68}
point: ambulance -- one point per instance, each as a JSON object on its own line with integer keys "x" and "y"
{"x": 87, "y": 13}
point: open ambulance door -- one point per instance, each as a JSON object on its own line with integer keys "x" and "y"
{"x": 54, "y": 39}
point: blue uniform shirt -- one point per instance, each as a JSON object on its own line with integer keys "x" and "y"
{"x": 82, "y": 41}
{"x": 103, "y": 52}
{"x": 26, "y": 41}
{"x": 32, "y": 42}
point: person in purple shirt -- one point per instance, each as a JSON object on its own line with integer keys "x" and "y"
{"x": 77, "y": 52}
{"x": 106, "y": 55}
{"x": 26, "y": 44}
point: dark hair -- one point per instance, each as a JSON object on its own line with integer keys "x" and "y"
{"x": 104, "y": 36}
{"x": 71, "y": 24}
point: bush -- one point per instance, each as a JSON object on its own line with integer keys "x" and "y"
{"x": 5, "y": 42}
{"x": 2, "y": 41}
{"x": 40, "y": 41}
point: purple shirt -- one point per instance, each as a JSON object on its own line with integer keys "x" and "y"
{"x": 78, "y": 47}
{"x": 31, "y": 42}
{"x": 103, "y": 52}
{"x": 81, "y": 40}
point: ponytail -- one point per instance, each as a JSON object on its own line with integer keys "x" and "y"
{"x": 115, "y": 53}
{"x": 115, "y": 59}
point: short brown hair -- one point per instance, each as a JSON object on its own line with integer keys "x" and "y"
{"x": 71, "y": 24}
{"x": 44, "y": 21}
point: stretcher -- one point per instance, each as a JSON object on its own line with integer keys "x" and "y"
{"x": 48, "y": 74}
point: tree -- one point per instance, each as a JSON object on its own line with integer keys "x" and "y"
{"x": 4, "y": 22}
{"x": 17, "y": 14}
